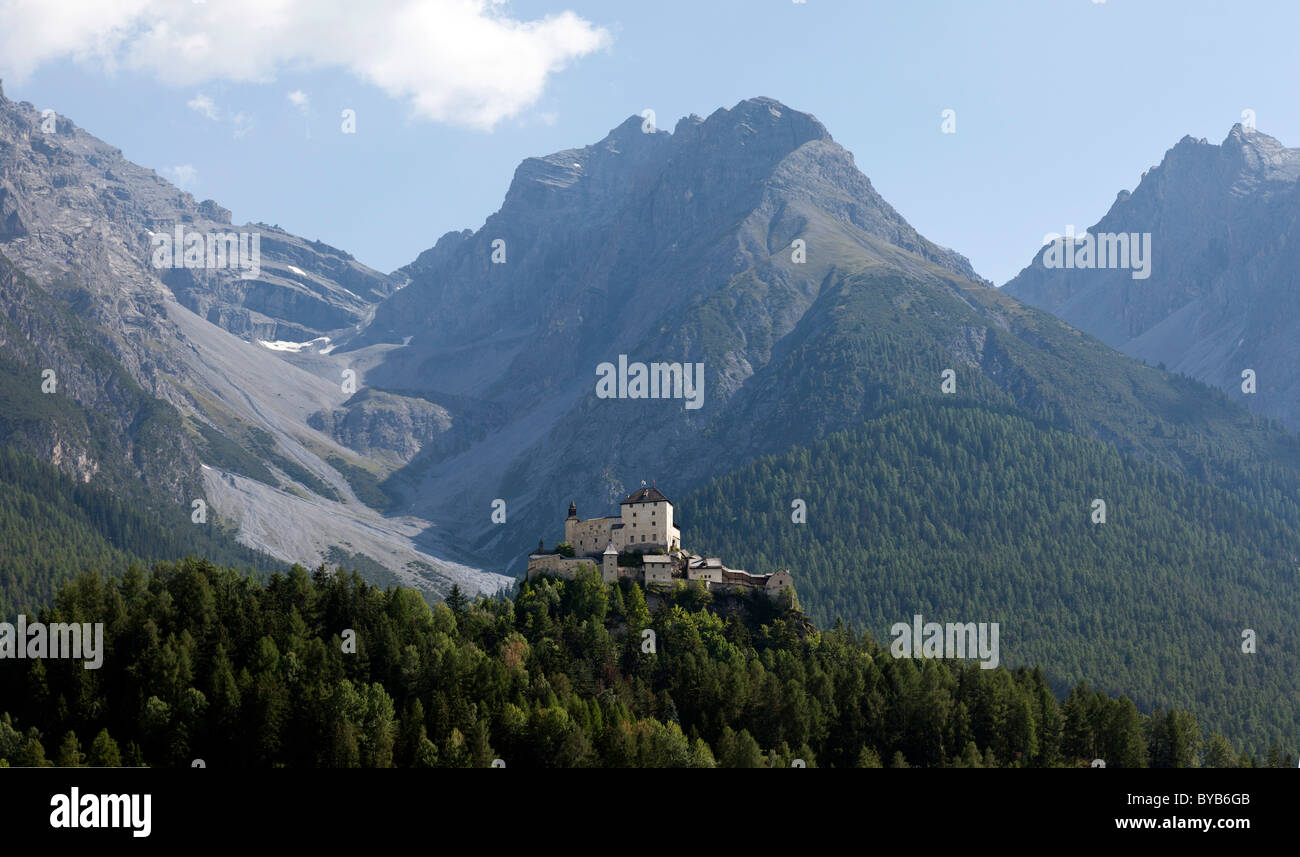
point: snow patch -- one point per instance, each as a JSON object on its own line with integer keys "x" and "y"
{"x": 320, "y": 343}
{"x": 299, "y": 271}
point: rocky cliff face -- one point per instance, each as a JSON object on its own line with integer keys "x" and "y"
{"x": 70, "y": 203}
{"x": 69, "y": 401}
{"x": 1223, "y": 293}
{"x": 665, "y": 247}
{"x": 174, "y": 383}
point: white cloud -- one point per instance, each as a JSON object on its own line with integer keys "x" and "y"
{"x": 460, "y": 61}
{"x": 299, "y": 99}
{"x": 243, "y": 124}
{"x": 202, "y": 104}
{"x": 183, "y": 176}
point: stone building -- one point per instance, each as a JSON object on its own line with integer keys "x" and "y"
{"x": 644, "y": 522}
{"x": 643, "y": 543}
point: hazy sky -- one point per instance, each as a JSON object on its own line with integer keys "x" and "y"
{"x": 1059, "y": 103}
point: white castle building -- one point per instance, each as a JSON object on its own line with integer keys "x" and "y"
{"x": 642, "y": 543}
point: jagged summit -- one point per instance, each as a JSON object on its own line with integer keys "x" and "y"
{"x": 1221, "y": 298}
{"x": 764, "y": 116}
{"x": 1248, "y": 155}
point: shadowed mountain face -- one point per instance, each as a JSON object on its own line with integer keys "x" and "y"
{"x": 1223, "y": 296}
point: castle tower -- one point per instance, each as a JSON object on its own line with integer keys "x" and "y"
{"x": 647, "y": 519}
{"x": 570, "y": 523}
{"x": 609, "y": 564}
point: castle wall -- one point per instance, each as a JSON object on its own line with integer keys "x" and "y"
{"x": 560, "y": 566}
{"x": 779, "y": 581}
{"x": 589, "y": 537}
{"x": 709, "y": 575}
{"x": 659, "y": 573}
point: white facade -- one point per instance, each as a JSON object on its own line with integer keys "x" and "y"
{"x": 644, "y": 524}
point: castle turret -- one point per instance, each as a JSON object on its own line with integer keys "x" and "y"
{"x": 609, "y": 564}
{"x": 571, "y": 525}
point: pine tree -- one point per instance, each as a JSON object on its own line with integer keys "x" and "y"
{"x": 456, "y": 600}
{"x": 104, "y": 752}
{"x": 1218, "y": 753}
{"x": 31, "y": 754}
{"x": 70, "y": 755}
{"x": 868, "y": 758}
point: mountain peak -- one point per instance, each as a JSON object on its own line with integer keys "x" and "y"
{"x": 1221, "y": 220}
{"x": 762, "y": 116}
{"x": 1258, "y": 149}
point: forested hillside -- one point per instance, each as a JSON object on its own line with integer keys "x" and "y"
{"x": 52, "y": 528}
{"x": 205, "y": 663}
{"x": 961, "y": 513}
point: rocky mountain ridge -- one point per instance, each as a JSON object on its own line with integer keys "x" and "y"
{"x": 175, "y": 376}
{"x": 1223, "y": 294}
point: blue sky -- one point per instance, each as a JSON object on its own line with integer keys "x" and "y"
{"x": 1059, "y": 105}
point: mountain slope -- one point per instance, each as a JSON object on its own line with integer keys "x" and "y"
{"x": 664, "y": 247}
{"x": 962, "y": 513}
{"x": 188, "y": 380}
{"x": 682, "y": 247}
{"x": 1222, "y": 297}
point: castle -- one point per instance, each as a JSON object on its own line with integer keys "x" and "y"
{"x": 643, "y": 543}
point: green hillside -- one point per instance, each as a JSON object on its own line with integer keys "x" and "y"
{"x": 961, "y": 512}
{"x": 53, "y": 528}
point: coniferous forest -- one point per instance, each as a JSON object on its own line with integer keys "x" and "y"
{"x": 323, "y": 669}
{"x": 958, "y": 512}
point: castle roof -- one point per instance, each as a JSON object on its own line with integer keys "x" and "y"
{"x": 609, "y": 548}
{"x": 646, "y": 495}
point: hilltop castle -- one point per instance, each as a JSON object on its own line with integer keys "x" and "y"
{"x": 643, "y": 543}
